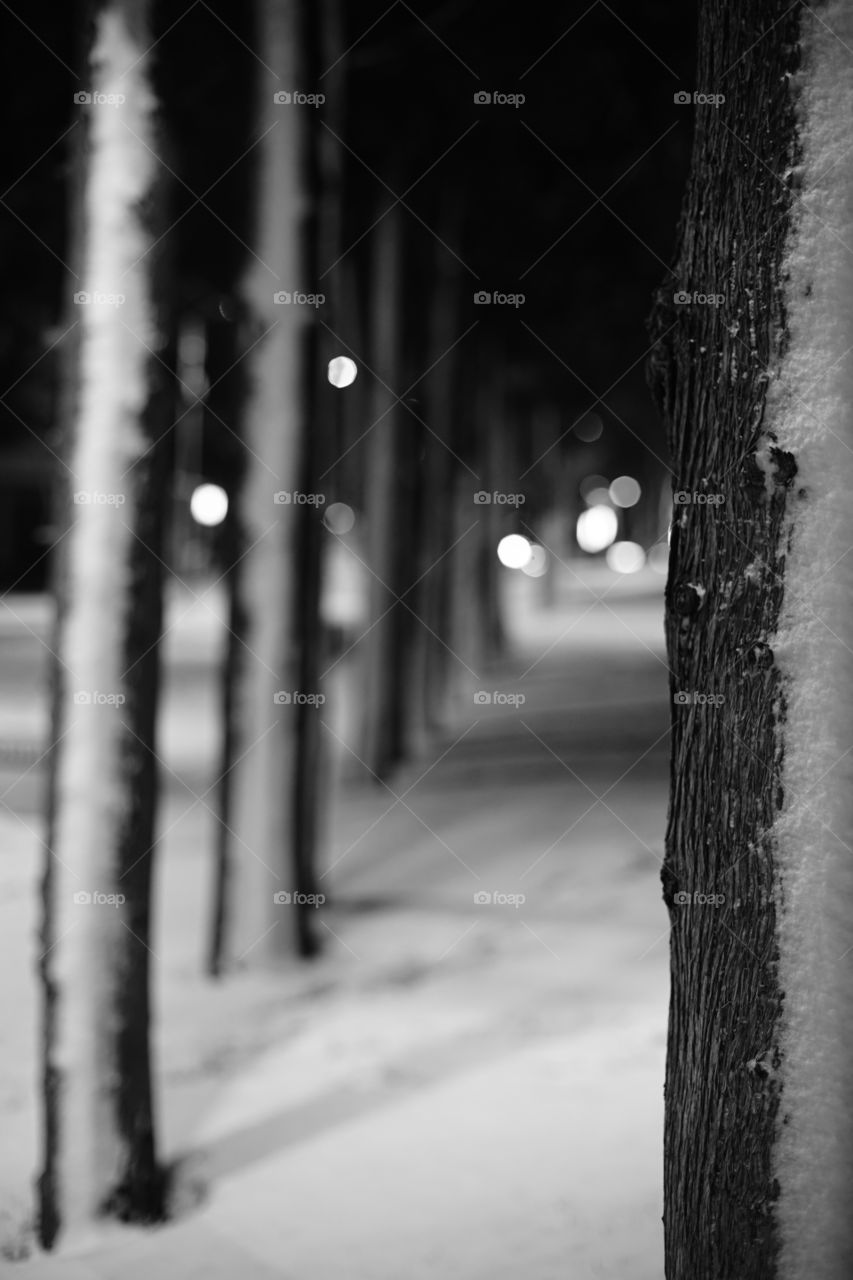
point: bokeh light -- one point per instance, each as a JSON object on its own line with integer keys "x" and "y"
{"x": 339, "y": 518}
{"x": 209, "y": 504}
{"x": 625, "y": 557}
{"x": 589, "y": 428}
{"x": 514, "y": 551}
{"x": 590, "y": 483}
{"x": 342, "y": 371}
{"x": 537, "y": 565}
{"x": 625, "y": 492}
{"x": 596, "y": 528}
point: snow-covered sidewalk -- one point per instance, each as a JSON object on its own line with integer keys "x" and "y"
{"x": 457, "y": 1088}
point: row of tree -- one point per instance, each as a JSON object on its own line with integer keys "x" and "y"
{"x": 274, "y": 424}
{"x": 442, "y": 406}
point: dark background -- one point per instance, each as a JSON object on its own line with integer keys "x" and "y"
{"x": 571, "y": 199}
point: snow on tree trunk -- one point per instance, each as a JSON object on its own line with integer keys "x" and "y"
{"x": 98, "y": 1125}
{"x": 811, "y": 411}
{"x": 264, "y": 912}
{"x": 753, "y": 338}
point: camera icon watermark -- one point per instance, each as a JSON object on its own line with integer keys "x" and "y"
{"x": 92, "y": 498}
{"x": 683, "y": 99}
{"x": 484, "y": 498}
{"x": 297, "y": 299}
{"x": 683, "y": 498}
{"x": 486, "y": 297}
{"x": 683, "y": 299}
{"x": 294, "y": 497}
{"x": 483, "y": 698}
{"x": 90, "y": 698}
{"x": 286, "y": 698}
{"x": 483, "y": 98}
{"x": 287, "y": 98}
{"x": 695, "y": 699}
{"x": 83, "y": 898}
{"x": 482, "y": 898}
{"x": 83, "y": 298}
{"x": 83, "y": 99}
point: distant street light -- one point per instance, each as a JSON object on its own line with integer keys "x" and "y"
{"x": 342, "y": 371}
{"x": 625, "y": 557}
{"x": 514, "y": 551}
{"x": 596, "y": 529}
{"x": 339, "y": 518}
{"x": 209, "y": 504}
{"x": 537, "y": 565}
{"x": 625, "y": 492}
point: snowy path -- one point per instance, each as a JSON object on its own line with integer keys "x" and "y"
{"x": 462, "y": 1089}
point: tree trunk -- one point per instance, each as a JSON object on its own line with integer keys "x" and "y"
{"x": 758, "y": 1139}
{"x": 265, "y": 911}
{"x": 325, "y": 39}
{"x": 384, "y": 452}
{"x": 224, "y": 853}
{"x": 496, "y": 441}
{"x": 310, "y": 772}
{"x": 433, "y": 543}
{"x": 462, "y": 676}
{"x": 99, "y": 1150}
{"x": 226, "y": 343}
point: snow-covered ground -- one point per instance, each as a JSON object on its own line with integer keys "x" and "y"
{"x": 462, "y": 1088}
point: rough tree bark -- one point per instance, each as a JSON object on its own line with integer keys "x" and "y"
{"x": 99, "y": 1154}
{"x": 756, "y": 1186}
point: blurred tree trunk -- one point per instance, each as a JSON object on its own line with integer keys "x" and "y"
{"x": 99, "y": 1154}
{"x": 384, "y": 477}
{"x": 546, "y": 431}
{"x": 265, "y": 870}
{"x": 435, "y": 468}
{"x": 495, "y": 436}
{"x": 230, "y": 549}
{"x": 740, "y": 929}
{"x": 320, "y": 765}
{"x": 463, "y": 620}
{"x": 314, "y": 774}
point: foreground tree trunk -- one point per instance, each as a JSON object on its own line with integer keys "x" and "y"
{"x": 757, "y": 876}
{"x": 99, "y": 1150}
{"x": 264, "y": 875}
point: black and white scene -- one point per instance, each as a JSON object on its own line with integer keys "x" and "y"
{"x": 426, "y": 640}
